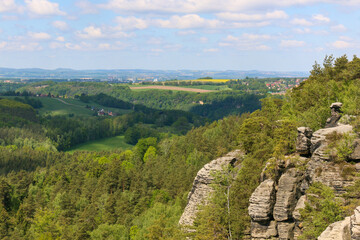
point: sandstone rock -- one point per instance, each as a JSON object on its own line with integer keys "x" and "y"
{"x": 263, "y": 230}
{"x": 355, "y": 224}
{"x": 355, "y": 155}
{"x": 286, "y": 230}
{"x": 286, "y": 195}
{"x": 337, "y": 231}
{"x": 329, "y": 174}
{"x": 262, "y": 201}
{"x": 201, "y": 189}
{"x": 300, "y": 205}
{"x": 335, "y": 115}
{"x": 303, "y": 142}
{"x": 318, "y": 140}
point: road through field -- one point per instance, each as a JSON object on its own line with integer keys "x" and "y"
{"x": 173, "y": 88}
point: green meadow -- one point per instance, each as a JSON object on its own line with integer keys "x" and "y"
{"x": 105, "y": 144}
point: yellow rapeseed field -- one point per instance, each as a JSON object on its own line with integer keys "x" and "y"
{"x": 209, "y": 80}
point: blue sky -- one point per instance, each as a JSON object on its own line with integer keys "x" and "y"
{"x": 279, "y": 35}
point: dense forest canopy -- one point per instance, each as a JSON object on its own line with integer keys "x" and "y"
{"x": 46, "y": 193}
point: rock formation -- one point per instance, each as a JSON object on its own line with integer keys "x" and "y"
{"x": 335, "y": 115}
{"x": 276, "y": 203}
{"x": 202, "y": 189}
{"x": 347, "y": 229}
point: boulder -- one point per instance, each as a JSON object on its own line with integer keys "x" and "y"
{"x": 262, "y": 201}
{"x": 202, "y": 189}
{"x": 286, "y": 196}
{"x": 337, "y": 231}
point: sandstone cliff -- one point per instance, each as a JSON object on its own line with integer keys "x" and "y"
{"x": 202, "y": 189}
{"x": 275, "y": 204}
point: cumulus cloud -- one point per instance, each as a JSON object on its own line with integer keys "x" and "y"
{"x": 252, "y": 17}
{"x": 127, "y": 23}
{"x": 87, "y": 7}
{"x": 211, "y": 50}
{"x": 198, "y": 6}
{"x": 321, "y": 18}
{"x": 60, "y": 39}
{"x": 90, "y": 32}
{"x": 341, "y": 44}
{"x": 292, "y": 43}
{"x": 301, "y": 22}
{"x": 7, "y": 5}
{"x": 187, "y": 21}
{"x": 43, "y": 7}
{"x": 61, "y": 25}
{"x": 39, "y": 35}
{"x": 246, "y": 42}
{"x": 338, "y": 28}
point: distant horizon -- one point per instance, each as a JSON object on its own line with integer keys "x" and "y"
{"x": 148, "y": 69}
{"x": 180, "y": 34}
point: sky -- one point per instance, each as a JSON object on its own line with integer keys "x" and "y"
{"x": 267, "y": 35}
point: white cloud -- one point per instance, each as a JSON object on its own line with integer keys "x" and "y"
{"x": 203, "y": 39}
{"x": 211, "y": 50}
{"x": 301, "y": 22}
{"x": 292, "y": 43}
{"x": 7, "y": 5}
{"x": 60, "y": 39}
{"x": 39, "y": 35}
{"x": 130, "y": 23}
{"x": 252, "y": 17}
{"x": 338, "y": 28}
{"x": 185, "y": 33}
{"x": 341, "y": 44}
{"x": 104, "y": 46}
{"x": 43, "y": 7}
{"x": 90, "y": 32}
{"x": 3, "y": 44}
{"x": 61, "y": 25}
{"x": 187, "y": 21}
{"x": 87, "y": 7}
{"x": 246, "y": 42}
{"x": 56, "y": 45}
{"x": 199, "y": 6}
{"x": 321, "y": 18}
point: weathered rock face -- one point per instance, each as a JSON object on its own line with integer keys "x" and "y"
{"x": 347, "y": 229}
{"x": 201, "y": 189}
{"x": 262, "y": 201}
{"x": 303, "y": 142}
{"x": 287, "y": 194}
{"x": 337, "y": 231}
{"x": 355, "y": 224}
{"x": 319, "y": 141}
{"x": 281, "y": 196}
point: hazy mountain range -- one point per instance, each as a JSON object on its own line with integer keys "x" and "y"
{"x": 139, "y": 74}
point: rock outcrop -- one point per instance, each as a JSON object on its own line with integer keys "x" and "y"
{"x": 275, "y": 206}
{"x": 335, "y": 115}
{"x": 347, "y": 229}
{"x": 303, "y": 141}
{"x": 202, "y": 189}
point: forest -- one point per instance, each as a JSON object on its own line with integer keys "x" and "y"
{"x": 46, "y": 193}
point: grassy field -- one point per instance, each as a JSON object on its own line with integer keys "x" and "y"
{"x": 102, "y": 145}
{"x": 172, "y": 88}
